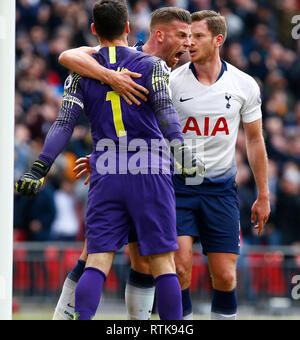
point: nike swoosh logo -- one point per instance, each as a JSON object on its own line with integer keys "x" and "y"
{"x": 69, "y": 305}
{"x": 184, "y": 100}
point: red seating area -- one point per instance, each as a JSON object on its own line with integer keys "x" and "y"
{"x": 266, "y": 270}
{"x": 200, "y": 274}
{"x": 56, "y": 266}
{"x": 267, "y": 273}
{"x": 21, "y": 280}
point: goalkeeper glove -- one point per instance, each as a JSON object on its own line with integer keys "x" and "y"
{"x": 187, "y": 164}
{"x": 31, "y": 182}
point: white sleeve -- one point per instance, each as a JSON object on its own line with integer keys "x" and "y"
{"x": 251, "y": 110}
{"x": 172, "y": 85}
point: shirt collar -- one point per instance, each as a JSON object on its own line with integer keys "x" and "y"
{"x": 223, "y": 69}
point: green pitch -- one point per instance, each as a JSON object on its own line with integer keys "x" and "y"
{"x": 48, "y": 316}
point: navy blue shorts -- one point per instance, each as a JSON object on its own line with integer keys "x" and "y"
{"x": 211, "y": 219}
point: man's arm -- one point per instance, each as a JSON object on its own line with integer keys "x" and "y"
{"x": 80, "y": 60}
{"x": 168, "y": 121}
{"x": 161, "y": 102}
{"x": 258, "y": 160}
{"x": 57, "y": 138}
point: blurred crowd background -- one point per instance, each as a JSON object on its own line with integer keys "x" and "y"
{"x": 259, "y": 42}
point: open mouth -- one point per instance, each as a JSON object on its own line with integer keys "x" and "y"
{"x": 178, "y": 55}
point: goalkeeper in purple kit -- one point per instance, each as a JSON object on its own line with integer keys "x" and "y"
{"x": 121, "y": 196}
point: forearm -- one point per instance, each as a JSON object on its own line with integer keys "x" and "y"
{"x": 57, "y": 138}
{"x": 31, "y": 182}
{"x": 61, "y": 130}
{"x": 55, "y": 142}
{"x": 258, "y": 162}
{"x": 79, "y": 60}
{"x": 167, "y": 118}
{"x": 159, "y": 97}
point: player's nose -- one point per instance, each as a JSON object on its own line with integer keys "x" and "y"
{"x": 187, "y": 42}
{"x": 192, "y": 43}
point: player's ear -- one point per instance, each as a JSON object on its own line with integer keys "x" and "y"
{"x": 159, "y": 36}
{"x": 219, "y": 40}
{"x": 93, "y": 29}
{"x": 127, "y": 28}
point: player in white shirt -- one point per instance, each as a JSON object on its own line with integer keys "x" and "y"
{"x": 212, "y": 114}
{"x": 212, "y": 97}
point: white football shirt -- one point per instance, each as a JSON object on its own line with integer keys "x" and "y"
{"x": 211, "y": 115}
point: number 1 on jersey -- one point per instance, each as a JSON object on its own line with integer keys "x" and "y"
{"x": 114, "y": 97}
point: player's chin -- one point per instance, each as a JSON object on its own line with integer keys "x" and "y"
{"x": 172, "y": 63}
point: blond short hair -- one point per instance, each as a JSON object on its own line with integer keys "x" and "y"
{"x": 216, "y": 23}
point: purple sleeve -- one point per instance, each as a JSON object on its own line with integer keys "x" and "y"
{"x": 62, "y": 129}
{"x": 160, "y": 99}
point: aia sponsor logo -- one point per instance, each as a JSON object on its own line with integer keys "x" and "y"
{"x": 204, "y": 128}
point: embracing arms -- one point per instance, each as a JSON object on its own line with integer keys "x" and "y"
{"x": 80, "y": 60}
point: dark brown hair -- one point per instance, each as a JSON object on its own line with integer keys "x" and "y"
{"x": 110, "y": 18}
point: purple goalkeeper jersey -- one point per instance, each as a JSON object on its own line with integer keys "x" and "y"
{"x": 125, "y": 137}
